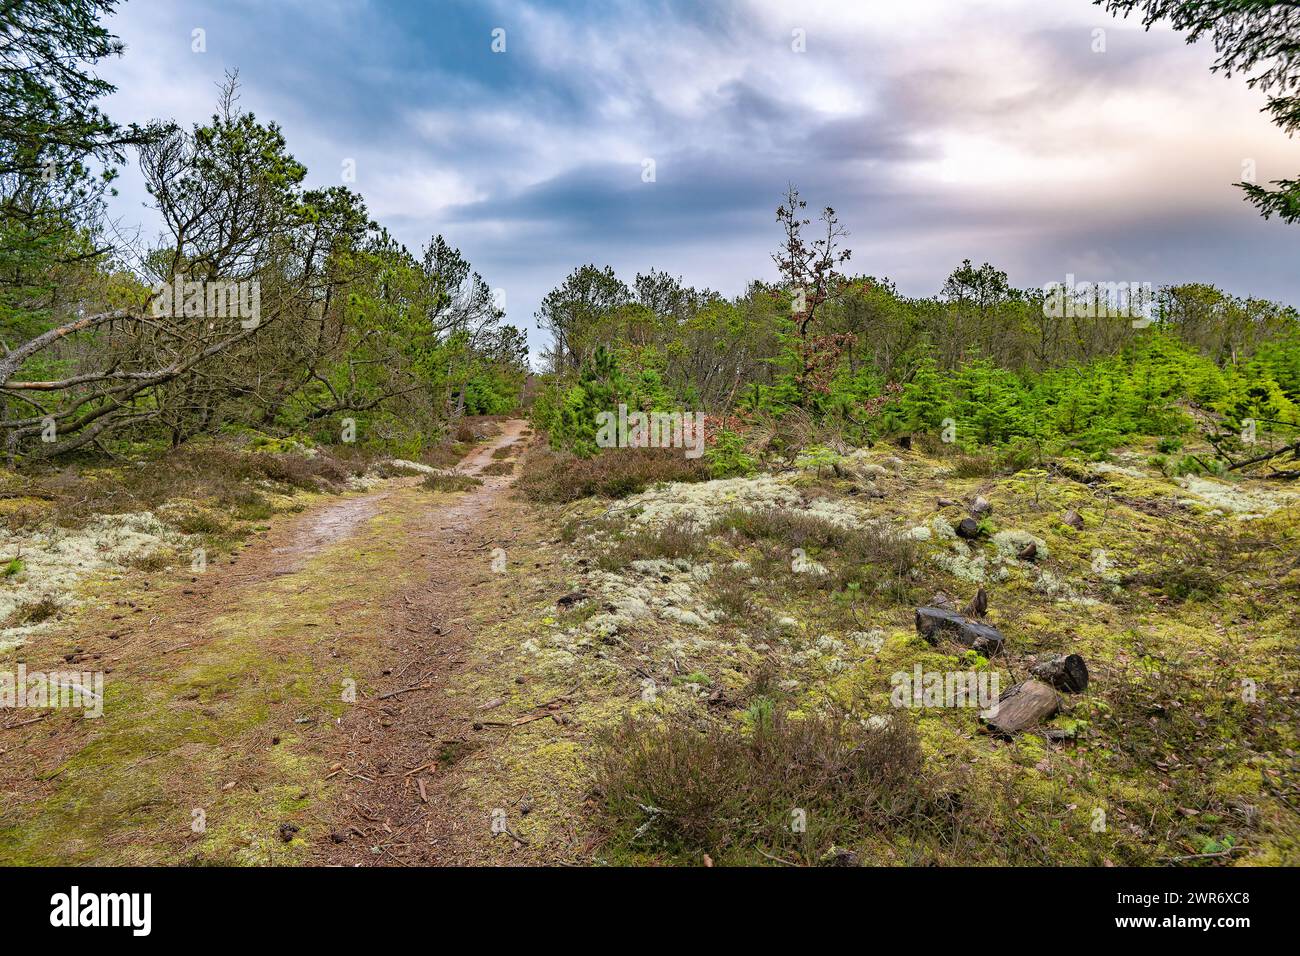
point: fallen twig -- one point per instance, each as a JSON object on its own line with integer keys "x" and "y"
{"x": 23, "y": 723}
{"x": 1202, "y": 856}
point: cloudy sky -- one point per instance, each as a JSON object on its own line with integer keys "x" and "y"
{"x": 1040, "y": 135}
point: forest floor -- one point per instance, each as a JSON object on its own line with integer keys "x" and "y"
{"x": 405, "y": 676}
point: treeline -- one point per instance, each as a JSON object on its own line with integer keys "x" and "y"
{"x": 264, "y": 304}
{"x": 980, "y": 363}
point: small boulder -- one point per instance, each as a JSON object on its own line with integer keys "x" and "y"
{"x": 1073, "y": 519}
{"x": 868, "y": 489}
{"x": 838, "y": 856}
{"x": 980, "y": 506}
{"x": 967, "y": 528}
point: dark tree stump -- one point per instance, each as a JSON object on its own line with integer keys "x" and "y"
{"x": 1066, "y": 672}
{"x": 1021, "y": 707}
{"x": 968, "y": 528}
{"x": 978, "y": 605}
{"x": 931, "y": 622}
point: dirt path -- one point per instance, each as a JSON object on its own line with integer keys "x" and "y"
{"x": 402, "y": 801}
{"x": 298, "y": 702}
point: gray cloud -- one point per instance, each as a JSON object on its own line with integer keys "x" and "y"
{"x": 937, "y": 131}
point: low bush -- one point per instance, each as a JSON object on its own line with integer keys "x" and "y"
{"x": 450, "y": 481}
{"x": 214, "y": 472}
{"x": 695, "y": 785}
{"x": 676, "y": 539}
{"x": 730, "y": 591}
{"x": 559, "y": 477}
{"x": 873, "y": 558}
{"x": 34, "y": 612}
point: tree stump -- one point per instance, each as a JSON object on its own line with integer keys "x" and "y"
{"x": 1020, "y": 708}
{"x": 933, "y": 621}
{"x": 1066, "y": 672}
{"x": 978, "y": 605}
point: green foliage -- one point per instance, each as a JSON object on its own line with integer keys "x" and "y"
{"x": 1279, "y": 359}
{"x": 1093, "y": 407}
{"x": 923, "y": 404}
{"x": 492, "y": 391}
{"x": 348, "y": 325}
{"x": 726, "y": 457}
{"x": 58, "y": 153}
{"x": 601, "y": 387}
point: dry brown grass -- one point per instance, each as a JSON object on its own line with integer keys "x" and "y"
{"x": 559, "y": 477}
{"x": 446, "y": 455}
{"x": 450, "y": 481}
{"x": 215, "y": 472}
{"x": 730, "y": 591}
{"x": 477, "y": 428}
{"x": 872, "y": 557}
{"x": 693, "y": 785}
{"x": 34, "y": 612}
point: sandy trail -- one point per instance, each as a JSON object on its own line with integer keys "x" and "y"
{"x": 340, "y": 519}
{"x": 223, "y": 690}
{"x": 481, "y": 457}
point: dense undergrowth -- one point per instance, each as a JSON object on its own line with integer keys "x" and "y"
{"x": 736, "y": 639}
